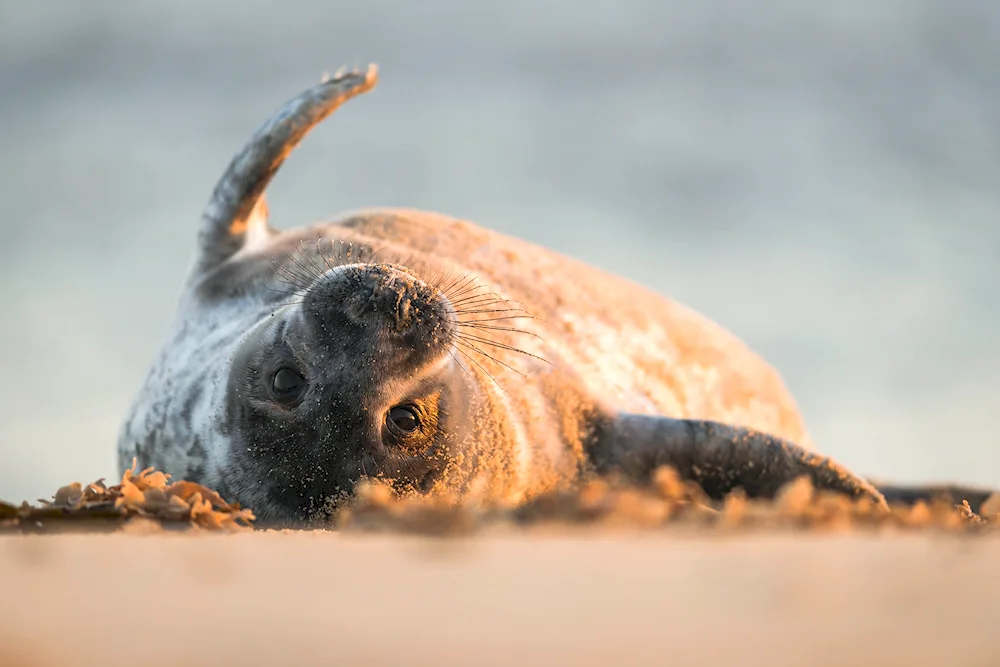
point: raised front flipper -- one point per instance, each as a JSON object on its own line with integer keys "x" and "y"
{"x": 719, "y": 457}
{"x": 237, "y": 210}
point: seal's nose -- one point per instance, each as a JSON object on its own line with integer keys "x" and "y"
{"x": 395, "y": 298}
{"x": 385, "y": 301}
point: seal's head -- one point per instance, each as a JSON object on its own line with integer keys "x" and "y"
{"x": 356, "y": 378}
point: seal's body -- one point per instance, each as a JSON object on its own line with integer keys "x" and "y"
{"x": 446, "y": 358}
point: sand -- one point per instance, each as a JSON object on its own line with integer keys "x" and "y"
{"x": 640, "y": 598}
{"x": 152, "y": 572}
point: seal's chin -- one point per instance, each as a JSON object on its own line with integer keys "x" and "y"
{"x": 321, "y": 484}
{"x": 285, "y": 508}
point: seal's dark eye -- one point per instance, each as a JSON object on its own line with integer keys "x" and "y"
{"x": 286, "y": 383}
{"x": 404, "y": 418}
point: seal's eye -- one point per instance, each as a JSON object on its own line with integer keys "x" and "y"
{"x": 286, "y": 383}
{"x": 403, "y": 418}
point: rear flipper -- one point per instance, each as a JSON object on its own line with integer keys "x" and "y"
{"x": 719, "y": 457}
{"x": 954, "y": 494}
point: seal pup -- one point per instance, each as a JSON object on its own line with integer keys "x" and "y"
{"x": 441, "y": 356}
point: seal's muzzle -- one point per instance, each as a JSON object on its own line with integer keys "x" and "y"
{"x": 382, "y": 303}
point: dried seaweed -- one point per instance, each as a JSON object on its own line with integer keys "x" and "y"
{"x": 149, "y": 500}
{"x": 148, "y": 495}
{"x": 666, "y": 503}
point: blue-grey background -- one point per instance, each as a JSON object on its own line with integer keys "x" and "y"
{"x": 821, "y": 178}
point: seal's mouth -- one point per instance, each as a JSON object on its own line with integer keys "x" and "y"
{"x": 313, "y": 492}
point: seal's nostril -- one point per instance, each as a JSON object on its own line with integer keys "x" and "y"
{"x": 403, "y": 311}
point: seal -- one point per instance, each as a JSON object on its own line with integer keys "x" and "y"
{"x": 443, "y": 357}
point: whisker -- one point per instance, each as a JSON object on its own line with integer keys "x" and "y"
{"x": 496, "y": 310}
{"x": 491, "y": 357}
{"x": 482, "y": 301}
{"x": 497, "y": 319}
{"x": 326, "y": 259}
{"x": 285, "y": 272}
{"x": 473, "y": 360}
{"x": 312, "y": 257}
{"x": 289, "y": 286}
{"x": 491, "y": 328}
{"x": 477, "y": 297}
{"x": 458, "y": 284}
{"x": 443, "y": 280}
{"x": 502, "y": 346}
{"x": 287, "y": 278}
{"x": 301, "y": 259}
{"x": 294, "y": 285}
{"x": 304, "y": 277}
{"x": 291, "y": 283}
{"x": 320, "y": 256}
{"x": 341, "y": 256}
{"x": 295, "y": 293}
{"x": 346, "y": 252}
{"x": 284, "y": 262}
{"x": 487, "y": 306}
{"x": 302, "y": 266}
{"x": 460, "y": 364}
{"x": 463, "y": 287}
{"x": 488, "y": 295}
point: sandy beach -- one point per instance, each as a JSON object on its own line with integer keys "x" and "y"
{"x": 658, "y": 598}
{"x": 819, "y": 179}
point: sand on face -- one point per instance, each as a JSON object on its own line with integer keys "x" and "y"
{"x": 528, "y": 598}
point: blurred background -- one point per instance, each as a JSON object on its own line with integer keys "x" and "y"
{"x": 823, "y": 179}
